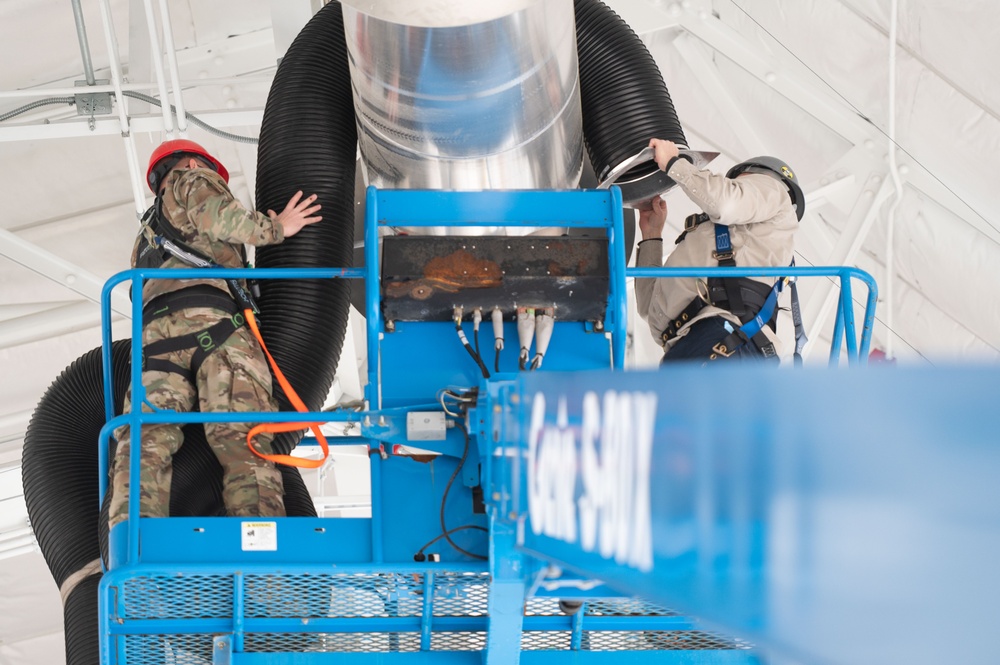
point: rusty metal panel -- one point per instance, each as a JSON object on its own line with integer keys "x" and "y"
{"x": 425, "y": 277}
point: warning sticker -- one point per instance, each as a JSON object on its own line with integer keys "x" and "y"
{"x": 260, "y": 536}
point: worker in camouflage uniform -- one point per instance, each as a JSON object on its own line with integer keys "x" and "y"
{"x": 197, "y": 350}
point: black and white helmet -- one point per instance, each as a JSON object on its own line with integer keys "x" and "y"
{"x": 773, "y": 166}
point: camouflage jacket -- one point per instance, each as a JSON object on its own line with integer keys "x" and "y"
{"x": 199, "y": 205}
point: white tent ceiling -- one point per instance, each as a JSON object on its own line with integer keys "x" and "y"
{"x": 804, "y": 79}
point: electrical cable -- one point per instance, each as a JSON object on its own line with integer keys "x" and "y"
{"x": 194, "y": 119}
{"x": 496, "y": 362}
{"x": 420, "y": 552}
{"x": 468, "y": 347}
{"x": 35, "y": 104}
{"x": 446, "y": 534}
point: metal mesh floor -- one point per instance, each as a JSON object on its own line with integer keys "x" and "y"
{"x": 374, "y": 596}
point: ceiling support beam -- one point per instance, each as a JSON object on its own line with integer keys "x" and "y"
{"x": 50, "y": 266}
{"x": 698, "y": 57}
{"x": 814, "y": 97}
{"x": 54, "y": 322}
{"x": 862, "y": 217}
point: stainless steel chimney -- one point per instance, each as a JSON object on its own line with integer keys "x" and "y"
{"x": 466, "y": 95}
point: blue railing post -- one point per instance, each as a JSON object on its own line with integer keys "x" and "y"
{"x": 373, "y": 318}
{"x": 616, "y": 251}
{"x": 851, "y": 333}
{"x": 138, "y": 397}
{"x": 837, "y": 343}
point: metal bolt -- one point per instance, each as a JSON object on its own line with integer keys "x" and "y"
{"x": 512, "y": 515}
{"x": 390, "y": 326}
{"x": 598, "y": 325}
{"x": 496, "y": 496}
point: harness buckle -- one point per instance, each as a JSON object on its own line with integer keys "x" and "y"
{"x": 723, "y": 350}
{"x": 693, "y": 220}
{"x": 723, "y": 256}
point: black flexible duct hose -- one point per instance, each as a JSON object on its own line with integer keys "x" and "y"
{"x": 625, "y": 102}
{"x": 308, "y": 142}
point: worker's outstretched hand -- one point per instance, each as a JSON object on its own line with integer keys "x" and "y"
{"x": 663, "y": 152}
{"x": 298, "y": 213}
{"x": 651, "y": 221}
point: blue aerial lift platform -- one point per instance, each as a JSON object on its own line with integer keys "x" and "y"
{"x": 821, "y": 515}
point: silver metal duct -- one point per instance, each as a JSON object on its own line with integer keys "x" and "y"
{"x": 466, "y": 95}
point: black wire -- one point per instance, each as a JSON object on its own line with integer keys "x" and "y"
{"x": 446, "y": 533}
{"x": 451, "y": 531}
{"x": 475, "y": 356}
{"x": 496, "y": 362}
{"x": 475, "y": 336}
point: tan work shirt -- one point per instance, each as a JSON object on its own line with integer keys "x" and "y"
{"x": 762, "y": 226}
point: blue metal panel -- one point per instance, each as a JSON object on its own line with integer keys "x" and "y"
{"x": 182, "y": 540}
{"x": 411, "y": 495}
{"x": 507, "y": 593}
{"x": 580, "y": 208}
{"x": 836, "y": 517}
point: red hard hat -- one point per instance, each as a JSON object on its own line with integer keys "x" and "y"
{"x": 177, "y": 147}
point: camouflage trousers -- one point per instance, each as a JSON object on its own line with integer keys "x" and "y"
{"x": 234, "y": 377}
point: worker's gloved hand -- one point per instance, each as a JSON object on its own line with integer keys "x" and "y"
{"x": 651, "y": 221}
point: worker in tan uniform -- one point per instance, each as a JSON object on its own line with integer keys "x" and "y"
{"x": 197, "y": 350}
{"x": 750, "y": 218}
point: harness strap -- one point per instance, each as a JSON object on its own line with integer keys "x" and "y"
{"x": 199, "y": 295}
{"x": 204, "y": 342}
{"x": 686, "y": 315}
{"x": 800, "y": 330}
{"x": 751, "y": 294}
{"x": 723, "y": 247}
{"x": 690, "y": 223}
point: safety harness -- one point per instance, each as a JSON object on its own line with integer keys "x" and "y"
{"x": 753, "y": 303}
{"x": 159, "y": 240}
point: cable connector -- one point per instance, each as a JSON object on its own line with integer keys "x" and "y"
{"x": 544, "y": 323}
{"x": 498, "y": 328}
{"x": 525, "y": 333}
{"x": 477, "y": 318}
{"x": 497, "y": 317}
{"x": 457, "y": 317}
